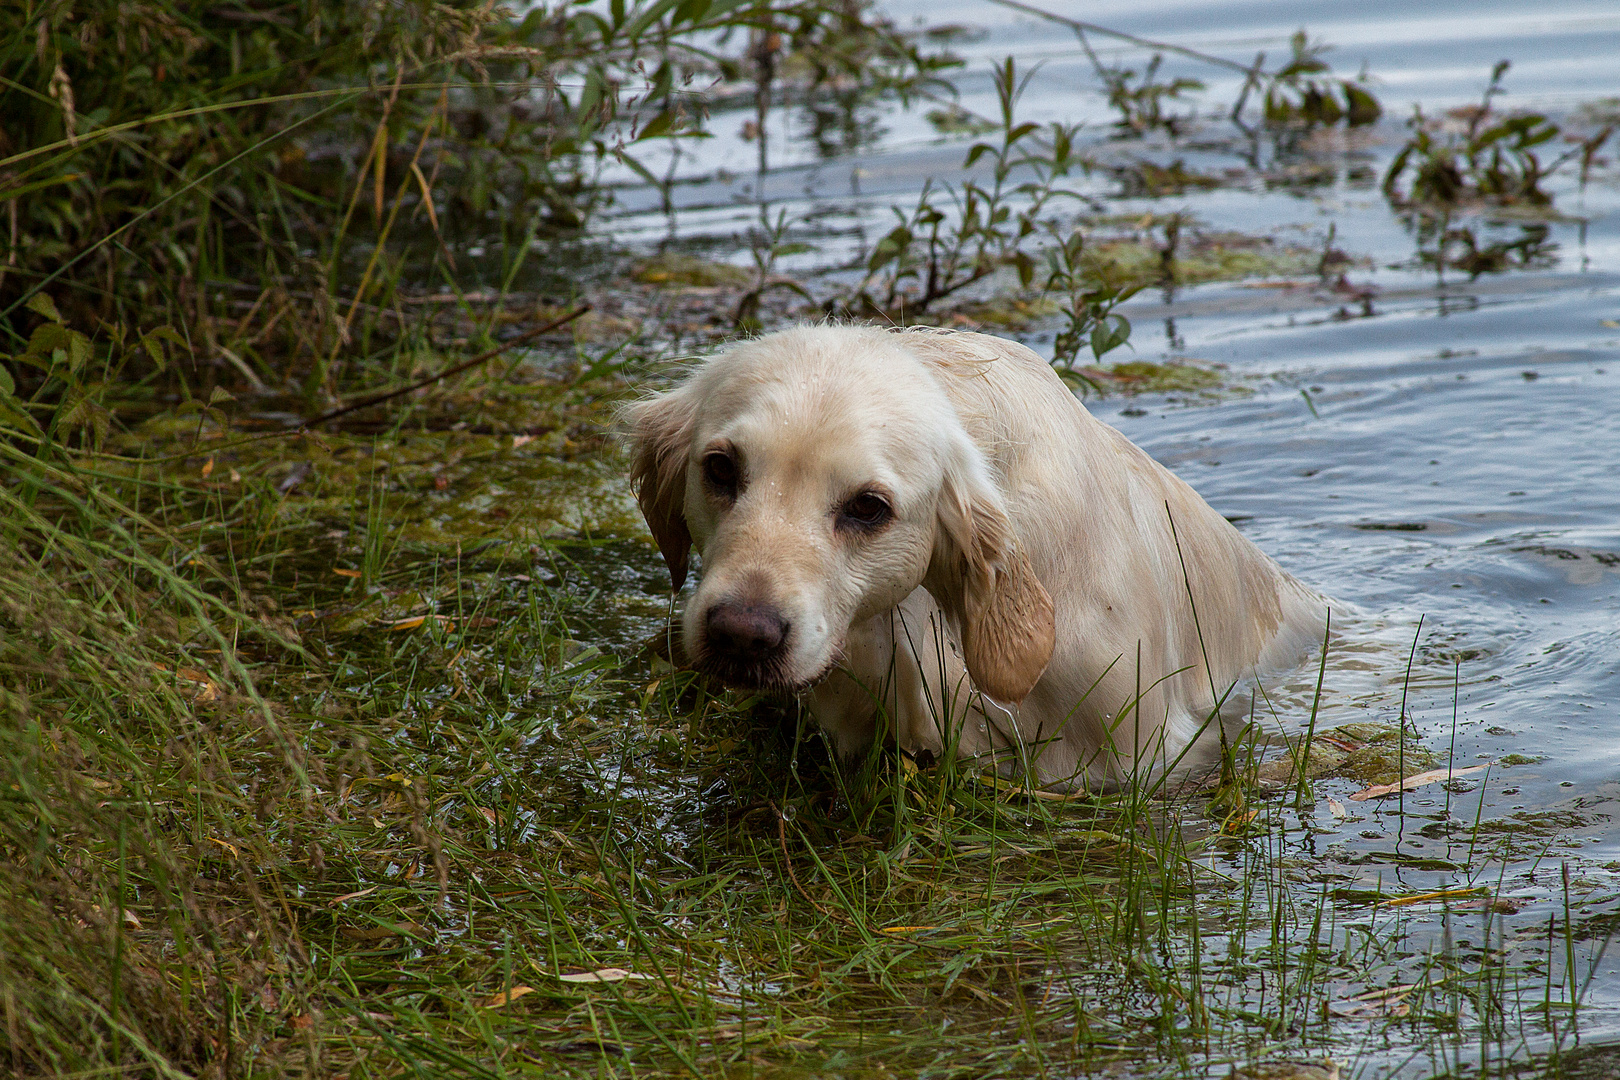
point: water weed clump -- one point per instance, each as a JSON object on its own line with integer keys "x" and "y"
{"x": 1481, "y": 162}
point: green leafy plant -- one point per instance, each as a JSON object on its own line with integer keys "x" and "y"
{"x": 1141, "y": 100}
{"x": 938, "y": 249}
{"x": 1300, "y": 92}
{"x": 1088, "y": 303}
{"x": 1480, "y": 156}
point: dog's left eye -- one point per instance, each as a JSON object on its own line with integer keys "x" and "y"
{"x": 865, "y": 511}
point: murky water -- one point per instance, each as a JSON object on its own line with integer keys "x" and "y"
{"x": 1439, "y": 449}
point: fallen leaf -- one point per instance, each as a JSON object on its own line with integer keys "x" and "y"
{"x": 506, "y": 997}
{"x": 1416, "y": 781}
{"x": 227, "y": 846}
{"x": 208, "y": 467}
{"x": 1437, "y": 894}
{"x": 412, "y": 624}
{"x": 602, "y": 975}
{"x": 521, "y": 440}
{"x": 302, "y": 1022}
{"x": 334, "y": 902}
{"x": 1336, "y": 808}
{"x": 1236, "y": 822}
{"x": 131, "y": 920}
{"x": 1386, "y": 1002}
{"x": 236, "y": 477}
{"x": 491, "y": 816}
{"x": 194, "y": 685}
{"x": 341, "y": 572}
{"x": 905, "y": 929}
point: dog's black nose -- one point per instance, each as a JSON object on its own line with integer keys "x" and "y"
{"x": 745, "y": 631}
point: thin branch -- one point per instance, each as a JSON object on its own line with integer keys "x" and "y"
{"x": 1084, "y": 27}
{"x": 528, "y": 335}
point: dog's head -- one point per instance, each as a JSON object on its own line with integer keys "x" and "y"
{"x": 823, "y": 473}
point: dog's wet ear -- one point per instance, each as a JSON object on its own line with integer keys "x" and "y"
{"x": 660, "y": 441}
{"x": 982, "y": 577}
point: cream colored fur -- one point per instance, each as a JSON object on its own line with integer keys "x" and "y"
{"x": 1027, "y": 605}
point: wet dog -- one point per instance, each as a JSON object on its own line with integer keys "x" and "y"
{"x": 924, "y": 533}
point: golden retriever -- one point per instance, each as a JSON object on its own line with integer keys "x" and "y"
{"x": 925, "y": 533}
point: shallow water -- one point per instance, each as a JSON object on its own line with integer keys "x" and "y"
{"x": 1446, "y": 450}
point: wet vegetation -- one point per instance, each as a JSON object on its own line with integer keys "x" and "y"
{"x": 353, "y": 746}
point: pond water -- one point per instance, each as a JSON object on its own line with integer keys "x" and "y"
{"x": 1443, "y": 448}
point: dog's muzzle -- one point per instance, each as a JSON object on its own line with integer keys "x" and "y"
{"x": 746, "y": 643}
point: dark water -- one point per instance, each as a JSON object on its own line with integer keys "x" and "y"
{"x": 1446, "y": 449}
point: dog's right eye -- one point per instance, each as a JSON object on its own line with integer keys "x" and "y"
{"x": 720, "y": 473}
{"x": 866, "y": 512}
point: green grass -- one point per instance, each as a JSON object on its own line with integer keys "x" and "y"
{"x": 267, "y": 818}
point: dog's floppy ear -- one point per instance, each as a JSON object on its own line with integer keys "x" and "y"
{"x": 982, "y": 577}
{"x": 660, "y": 439}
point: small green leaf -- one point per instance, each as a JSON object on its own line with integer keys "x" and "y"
{"x": 1110, "y": 333}
{"x": 1026, "y": 268}
{"x": 658, "y": 125}
{"x": 41, "y": 304}
{"x": 12, "y": 412}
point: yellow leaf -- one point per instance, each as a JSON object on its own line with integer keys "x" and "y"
{"x": 228, "y": 847}
{"x": 1236, "y": 822}
{"x": 905, "y": 929}
{"x": 506, "y": 997}
{"x": 409, "y": 624}
{"x": 602, "y": 975}
{"x": 427, "y": 195}
{"x": 341, "y": 572}
{"x": 1438, "y": 894}
{"x": 335, "y": 901}
{"x": 193, "y": 684}
{"x": 208, "y": 467}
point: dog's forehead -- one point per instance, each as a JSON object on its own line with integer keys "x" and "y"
{"x": 833, "y": 415}
{"x": 850, "y": 402}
